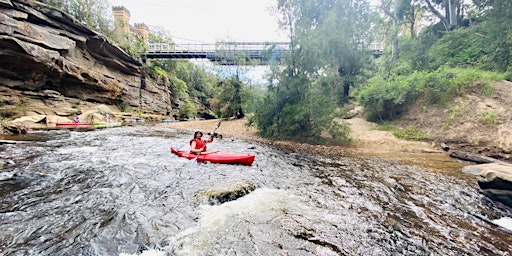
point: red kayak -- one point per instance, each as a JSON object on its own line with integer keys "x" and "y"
{"x": 73, "y": 124}
{"x": 218, "y": 157}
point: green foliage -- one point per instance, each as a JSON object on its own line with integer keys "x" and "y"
{"x": 489, "y": 118}
{"x": 298, "y": 110}
{"x": 187, "y": 110}
{"x": 416, "y": 51}
{"x": 457, "y": 110}
{"x": 485, "y": 45}
{"x": 252, "y": 98}
{"x": 95, "y": 14}
{"x": 411, "y": 133}
{"x": 230, "y": 98}
{"x": 496, "y": 27}
{"x": 386, "y": 98}
{"x": 178, "y": 88}
{"x": 282, "y": 114}
{"x": 387, "y": 126}
{"x": 340, "y": 133}
{"x": 462, "y": 47}
{"x": 139, "y": 113}
{"x": 134, "y": 45}
{"x": 156, "y": 71}
{"x": 329, "y": 61}
{"x": 121, "y": 104}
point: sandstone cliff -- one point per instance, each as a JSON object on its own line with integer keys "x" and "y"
{"x": 53, "y": 67}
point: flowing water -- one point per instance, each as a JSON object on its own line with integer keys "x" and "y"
{"x": 119, "y": 191}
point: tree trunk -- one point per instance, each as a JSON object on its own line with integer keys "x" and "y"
{"x": 396, "y": 27}
{"x": 346, "y": 88}
{"x": 479, "y": 159}
{"x": 452, "y": 13}
{"x": 443, "y": 19}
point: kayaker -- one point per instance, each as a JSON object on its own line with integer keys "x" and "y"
{"x": 198, "y": 144}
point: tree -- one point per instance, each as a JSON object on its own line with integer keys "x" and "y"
{"x": 230, "y": 99}
{"x": 392, "y": 9}
{"x": 452, "y": 8}
{"x": 411, "y": 13}
{"x": 498, "y": 35}
{"x": 329, "y": 39}
{"x": 405, "y": 16}
{"x": 92, "y": 13}
{"x": 343, "y": 27}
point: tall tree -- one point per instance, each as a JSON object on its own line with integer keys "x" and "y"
{"x": 329, "y": 43}
{"x": 401, "y": 13}
{"x": 412, "y": 13}
{"x": 452, "y": 11}
{"x": 392, "y": 9}
{"x": 328, "y": 34}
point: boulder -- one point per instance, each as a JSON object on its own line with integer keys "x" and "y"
{"x": 30, "y": 118}
{"x": 225, "y": 192}
{"x": 494, "y": 179}
{"x": 19, "y": 128}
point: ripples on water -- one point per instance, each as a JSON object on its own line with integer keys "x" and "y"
{"x": 120, "y": 191}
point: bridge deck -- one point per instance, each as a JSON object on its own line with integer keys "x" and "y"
{"x": 224, "y": 53}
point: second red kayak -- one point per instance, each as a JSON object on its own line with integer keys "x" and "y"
{"x": 218, "y": 157}
{"x": 73, "y": 124}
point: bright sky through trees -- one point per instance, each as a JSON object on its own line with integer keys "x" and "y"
{"x": 207, "y": 21}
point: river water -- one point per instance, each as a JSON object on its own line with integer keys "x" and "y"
{"x": 119, "y": 191}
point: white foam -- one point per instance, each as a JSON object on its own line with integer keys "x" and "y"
{"x": 152, "y": 252}
{"x": 505, "y": 222}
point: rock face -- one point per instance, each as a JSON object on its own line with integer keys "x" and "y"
{"x": 50, "y": 62}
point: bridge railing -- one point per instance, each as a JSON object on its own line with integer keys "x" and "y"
{"x": 228, "y": 52}
{"x": 218, "y": 47}
{"x": 165, "y": 47}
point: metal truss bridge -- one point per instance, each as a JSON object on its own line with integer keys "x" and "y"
{"x": 224, "y": 53}
{"x": 230, "y": 53}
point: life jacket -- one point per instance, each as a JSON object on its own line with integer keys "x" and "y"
{"x": 199, "y": 143}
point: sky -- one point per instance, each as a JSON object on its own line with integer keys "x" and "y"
{"x": 208, "y": 21}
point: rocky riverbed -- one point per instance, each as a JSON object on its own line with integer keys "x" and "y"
{"x": 495, "y": 180}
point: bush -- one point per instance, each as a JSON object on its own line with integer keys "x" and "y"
{"x": 461, "y": 47}
{"x": 187, "y": 110}
{"x": 489, "y": 118}
{"x": 411, "y": 133}
{"x": 385, "y": 99}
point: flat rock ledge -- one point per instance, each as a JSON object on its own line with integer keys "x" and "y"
{"x": 225, "y": 192}
{"x": 495, "y": 180}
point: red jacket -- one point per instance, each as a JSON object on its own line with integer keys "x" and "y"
{"x": 199, "y": 144}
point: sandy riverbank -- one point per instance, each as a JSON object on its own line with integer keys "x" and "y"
{"x": 367, "y": 139}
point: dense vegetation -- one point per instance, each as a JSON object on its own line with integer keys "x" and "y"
{"x": 435, "y": 50}
{"x": 461, "y": 46}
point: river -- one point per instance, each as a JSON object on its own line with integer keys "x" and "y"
{"x": 119, "y": 191}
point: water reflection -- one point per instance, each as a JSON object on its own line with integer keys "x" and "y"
{"x": 119, "y": 190}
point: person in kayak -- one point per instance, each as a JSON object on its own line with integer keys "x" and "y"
{"x": 198, "y": 144}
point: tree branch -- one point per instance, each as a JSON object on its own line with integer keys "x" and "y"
{"x": 438, "y": 14}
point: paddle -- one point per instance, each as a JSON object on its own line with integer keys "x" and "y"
{"x": 212, "y": 134}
